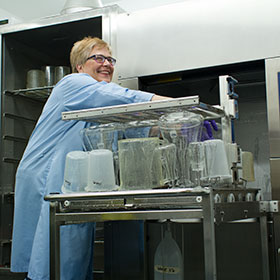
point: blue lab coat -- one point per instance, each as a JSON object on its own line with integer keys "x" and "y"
{"x": 41, "y": 172}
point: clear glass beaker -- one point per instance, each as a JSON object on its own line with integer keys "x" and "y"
{"x": 103, "y": 136}
{"x": 141, "y": 129}
{"x": 181, "y": 128}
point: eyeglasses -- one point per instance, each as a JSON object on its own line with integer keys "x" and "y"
{"x": 99, "y": 58}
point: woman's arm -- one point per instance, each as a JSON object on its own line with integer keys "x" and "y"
{"x": 160, "y": 97}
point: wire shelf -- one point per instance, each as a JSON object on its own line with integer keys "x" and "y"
{"x": 41, "y": 93}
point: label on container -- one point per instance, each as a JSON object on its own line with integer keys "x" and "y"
{"x": 167, "y": 269}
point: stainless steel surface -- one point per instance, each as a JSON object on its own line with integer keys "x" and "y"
{"x": 198, "y": 204}
{"x": 275, "y": 240}
{"x": 59, "y": 19}
{"x": 60, "y": 72}
{"x": 132, "y": 83}
{"x": 143, "y": 111}
{"x": 133, "y": 193}
{"x": 233, "y": 211}
{"x": 49, "y": 75}
{"x": 209, "y": 238}
{"x": 54, "y": 243}
{"x": 224, "y": 101}
{"x": 271, "y": 206}
{"x": 272, "y": 68}
{"x": 181, "y": 24}
{"x": 101, "y": 216}
{"x": 264, "y": 246}
{"x": 130, "y": 203}
{"x": 275, "y": 177}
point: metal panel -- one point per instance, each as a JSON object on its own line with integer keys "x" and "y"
{"x": 275, "y": 177}
{"x": 59, "y": 19}
{"x": 272, "y": 67}
{"x": 194, "y": 34}
{"x": 275, "y": 237}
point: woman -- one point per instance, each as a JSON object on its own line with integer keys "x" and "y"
{"x": 41, "y": 169}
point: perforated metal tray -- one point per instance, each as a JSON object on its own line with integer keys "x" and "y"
{"x": 144, "y": 111}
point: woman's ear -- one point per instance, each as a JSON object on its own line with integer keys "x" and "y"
{"x": 79, "y": 68}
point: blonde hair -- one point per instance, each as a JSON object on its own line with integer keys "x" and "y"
{"x": 81, "y": 50}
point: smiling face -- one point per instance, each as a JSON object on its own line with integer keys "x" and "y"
{"x": 99, "y": 71}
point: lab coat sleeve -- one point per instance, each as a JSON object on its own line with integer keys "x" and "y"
{"x": 81, "y": 91}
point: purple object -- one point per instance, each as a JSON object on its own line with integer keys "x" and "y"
{"x": 207, "y": 132}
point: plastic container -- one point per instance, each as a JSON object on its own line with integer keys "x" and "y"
{"x": 75, "y": 172}
{"x": 101, "y": 175}
{"x": 168, "y": 261}
{"x": 217, "y": 166}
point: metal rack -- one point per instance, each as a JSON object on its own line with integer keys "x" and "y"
{"x": 144, "y": 111}
{"x": 41, "y": 93}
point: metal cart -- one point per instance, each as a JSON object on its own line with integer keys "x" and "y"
{"x": 208, "y": 204}
{"x": 184, "y": 203}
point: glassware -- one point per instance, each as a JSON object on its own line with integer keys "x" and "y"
{"x": 141, "y": 129}
{"x": 140, "y": 163}
{"x": 181, "y": 128}
{"x": 168, "y": 163}
{"x": 196, "y": 154}
{"x": 103, "y": 136}
{"x": 168, "y": 261}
